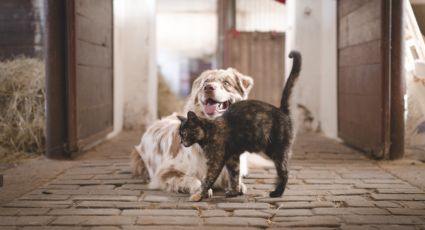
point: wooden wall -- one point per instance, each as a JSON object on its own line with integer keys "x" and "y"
{"x": 362, "y": 75}
{"x": 20, "y": 28}
{"x": 261, "y": 56}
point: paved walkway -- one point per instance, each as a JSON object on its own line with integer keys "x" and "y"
{"x": 330, "y": 187}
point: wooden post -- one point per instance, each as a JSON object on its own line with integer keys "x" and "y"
{"x": 55, "y": 59}
{"x": 226, "y": 21}
{"x": 397, "y": 80}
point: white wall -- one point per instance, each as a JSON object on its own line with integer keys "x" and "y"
{"x": 185, "y": 29}
{"x": 135, "y": 79}
{"x": 311, "y": 29}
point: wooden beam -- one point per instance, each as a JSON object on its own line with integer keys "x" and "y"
{"x": 56, "y": 98}
{"x": 397, "y": 80}
{"x": 226, "y": 21}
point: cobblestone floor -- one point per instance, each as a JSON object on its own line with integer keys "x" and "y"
{"x": 331, "y": 187}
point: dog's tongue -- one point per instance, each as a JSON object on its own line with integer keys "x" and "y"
{"x": 210, "y": 108}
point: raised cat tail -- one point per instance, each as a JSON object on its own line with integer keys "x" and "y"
{"x": 295, "y": 72}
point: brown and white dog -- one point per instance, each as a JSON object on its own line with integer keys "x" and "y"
{"x": 172, "y": 167}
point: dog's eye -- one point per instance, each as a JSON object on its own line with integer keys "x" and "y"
{"x": 226, "y": 83}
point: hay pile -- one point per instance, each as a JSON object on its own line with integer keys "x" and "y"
{"x": 22, "y": 97}
{"x": 168, "y": 101}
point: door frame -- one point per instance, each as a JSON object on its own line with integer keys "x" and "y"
{"x": 397, "y": 78}
{"x": 55, "y": 54}
{"x": 61, "y": 82}
{"x": 393, "y": 86}
{"x": 76, "y": 144}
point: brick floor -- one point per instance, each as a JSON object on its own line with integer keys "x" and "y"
{"x": 331, "y": 187}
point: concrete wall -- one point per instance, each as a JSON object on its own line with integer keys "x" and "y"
{"x": 312, "y": 29}
{"x": 135, "y": 79}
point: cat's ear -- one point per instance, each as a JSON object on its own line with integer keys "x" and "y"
{"x": 182, "y": 119}
{"x": 191, "y": 116}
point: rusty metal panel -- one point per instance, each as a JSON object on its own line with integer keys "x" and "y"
{"x": 363, "y": 120}
{"x": 261, "y": 56}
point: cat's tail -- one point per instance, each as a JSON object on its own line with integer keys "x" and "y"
{"x": 295, "y": 72}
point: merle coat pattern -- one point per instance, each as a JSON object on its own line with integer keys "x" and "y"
{"x": 250, "y": 125}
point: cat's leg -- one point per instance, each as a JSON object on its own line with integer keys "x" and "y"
{"x": 243, "y": 159}
{"x": 214, "y": 165}
{"x": 232, "y": 166}
{"x": 281, "y": 164}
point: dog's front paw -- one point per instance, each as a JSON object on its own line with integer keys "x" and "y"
{"x": 242, "y": 188}
{"x": 196, "y": 197}
{"x": 210, "y": 193}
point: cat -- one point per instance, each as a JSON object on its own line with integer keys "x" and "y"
{"x": 250, "y": 125}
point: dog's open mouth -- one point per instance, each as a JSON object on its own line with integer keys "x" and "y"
{"x": 211, "y": 106}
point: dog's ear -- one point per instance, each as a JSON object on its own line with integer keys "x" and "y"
{"x": 192, "y": 116}
{"x": 182, "y": 119}
{"x": 197, "y": 83}
{"x": 245, "y": 82}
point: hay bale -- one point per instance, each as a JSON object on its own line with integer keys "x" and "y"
{"x": 22, "y": 98}
{"x": 168, "y": 101}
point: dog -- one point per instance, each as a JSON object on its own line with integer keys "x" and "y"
{"x": 160, "y": 155}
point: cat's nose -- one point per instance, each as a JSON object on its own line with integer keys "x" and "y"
{"x": 209, "y": 88}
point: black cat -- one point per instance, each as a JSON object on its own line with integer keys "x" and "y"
{"x": 250, "y": 125}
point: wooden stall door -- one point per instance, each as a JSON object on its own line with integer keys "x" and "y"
{"x": 363, "y": 75}
{"x": 261, "y": 56}
{"x": 90, "y": 71}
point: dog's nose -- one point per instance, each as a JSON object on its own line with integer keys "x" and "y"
{"x": 209, "y": 88}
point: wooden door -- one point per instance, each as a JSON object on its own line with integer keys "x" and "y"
{"x": 90, "y": 71}
{"x": 363, "y": 75}
{"x": 261, "y": 56}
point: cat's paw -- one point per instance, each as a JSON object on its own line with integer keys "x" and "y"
{"x": 196, "y": 197}
{"x": 275, "y": 194}
{"x": 232, "y": 193}
{"x": 242, "y": 188}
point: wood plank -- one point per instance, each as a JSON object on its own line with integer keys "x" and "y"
{"x": 93, "y": 55}
{"x": 365, "y": 53}
{"x": 15, "y": 3}
{"x": 365, "y": 14}
{"x": 93, "y": 70}
{"x": 352, "y": 78}
{"x": 88, "y": 124}
{"x": 347, "y": 6}
{"x": 93, "y": 33}
{"x": 94, "y": 86}
{"x": 343, "y": 32}
{"x": 99, "y": 12}
{"x": 361, "y": 75}
{"x": 261, "y": 56}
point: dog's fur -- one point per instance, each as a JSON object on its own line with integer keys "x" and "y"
{"x": 172, "y": 167}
